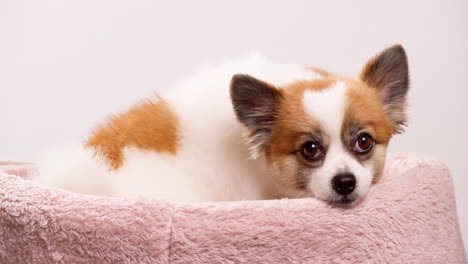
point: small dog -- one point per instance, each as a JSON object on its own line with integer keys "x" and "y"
{"x": 248, "y": 129}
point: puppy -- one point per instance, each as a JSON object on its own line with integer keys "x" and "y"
{"x": 249, "y": 130}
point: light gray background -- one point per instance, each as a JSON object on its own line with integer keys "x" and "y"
{"x": 65, "y": 65}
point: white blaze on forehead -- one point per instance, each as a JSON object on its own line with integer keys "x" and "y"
{"x": 327, "y": 106}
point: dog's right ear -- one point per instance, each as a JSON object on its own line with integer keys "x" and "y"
{"x": 256, "y": 105}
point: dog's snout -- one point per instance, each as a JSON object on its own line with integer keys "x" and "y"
{"x": 344, "y": 183}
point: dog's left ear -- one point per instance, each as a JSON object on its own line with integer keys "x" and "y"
{"x": 388, "y": 73}
{"x": 256, "y": 106}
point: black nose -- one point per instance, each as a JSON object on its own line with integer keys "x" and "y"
{"x": 344, "y": 183}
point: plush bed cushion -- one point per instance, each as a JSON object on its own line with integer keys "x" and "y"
{"x": 409, "y": 217}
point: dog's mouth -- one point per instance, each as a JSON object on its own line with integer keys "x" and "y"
{"x": 344, "y": 200}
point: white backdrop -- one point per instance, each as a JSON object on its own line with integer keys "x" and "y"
{"x": 65, "y": 65}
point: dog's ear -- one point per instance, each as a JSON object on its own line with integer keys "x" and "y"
{"x": 256, "y": 104}
{"x": 388, "y": 73}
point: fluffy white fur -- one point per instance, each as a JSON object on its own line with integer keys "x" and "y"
{"x": 212, "y": 163}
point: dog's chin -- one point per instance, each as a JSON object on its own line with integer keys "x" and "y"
{"x": 344, "y": 201}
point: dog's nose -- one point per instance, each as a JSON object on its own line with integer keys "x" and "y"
{"x": 344, "y": 183}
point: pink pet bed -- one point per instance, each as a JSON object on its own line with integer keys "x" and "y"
{"x": 409, "y": 217}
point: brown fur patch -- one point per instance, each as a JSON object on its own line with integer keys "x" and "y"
{"x": 364, "y": 107}
{"x": 292, "y": 126}
{"x": 148, "y": 125}
{"x": 365, "y": 110}
{"x": 292, "y": 120}
{"x": 379, "y": 161}
{"x": 321, "y": 72}
{"x": 297, "y": 88}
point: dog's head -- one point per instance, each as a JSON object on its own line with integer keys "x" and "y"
{"x": 327, "y": 137}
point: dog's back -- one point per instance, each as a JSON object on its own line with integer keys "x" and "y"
{"x": 184, "y": 144}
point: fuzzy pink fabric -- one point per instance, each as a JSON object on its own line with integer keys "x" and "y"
{"x": 409, "y": 217}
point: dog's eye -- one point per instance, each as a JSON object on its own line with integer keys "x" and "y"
{"x": 312, "y": 151}
{"x": 364, "y": 144}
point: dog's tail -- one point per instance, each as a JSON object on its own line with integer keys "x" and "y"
{"x": 74, "y": 168}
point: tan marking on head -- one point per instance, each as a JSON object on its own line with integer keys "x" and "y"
{"x": 148, "y": 125}
{"x": 292, "y": 127}
{"x": 297, "y": 88}
{"x": 321, "y": 72}
{"x": 364, "y": 107}
{"x": 292, "y": 120}
{"x": 378, "y": 158}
